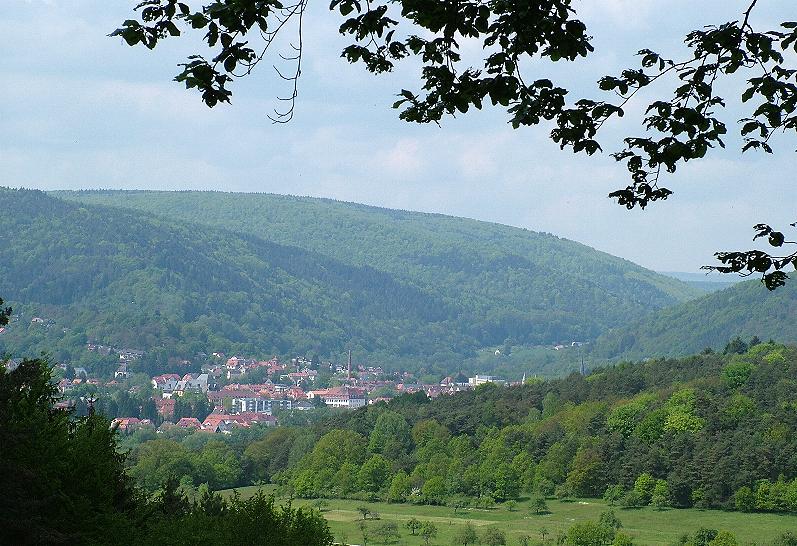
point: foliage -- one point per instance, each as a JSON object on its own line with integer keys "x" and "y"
{"x": 465, "y": 536}
{"x": 613, "y": 494}
{"x": 64, "y": 481}
{"x": 372, "y": 280}
{"x": 589, "y": 533}
{"x": 744, "y": 500}
{"x": 387, "y": 531}
{"x": 428, "y": 531}
{"x": 493, "y": 536}
{"x": 414, "y": 525}
{"x": 466, "y": 448}
{"x": 539, "y": 505}
{"x": 67, "y": 484}
{"x": 745, "y": 309}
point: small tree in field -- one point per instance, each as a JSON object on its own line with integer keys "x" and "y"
{"x": 388, "y": 531}
{"x": 428, "y": 531}
{"x": 744, "y": 499}
{"x": 413, "y": 525}
{"x": 539, "y": 505}
{"x": 364, "y": 511}
{"x": 511, "y": 505}
{"x": 458, "y": 504}
{"x": 465, "y": 536}
{"x": 610, "y": 520}
{"x": 494, "y": 537}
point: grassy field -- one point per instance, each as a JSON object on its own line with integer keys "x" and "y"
{"x": 646, "y": 525}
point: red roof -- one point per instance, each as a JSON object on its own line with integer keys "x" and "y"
{"x": 165, "y": 377}
{"x": 244, "y": 419}
{"x": 189, "y": 422}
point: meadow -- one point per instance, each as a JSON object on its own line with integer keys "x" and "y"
{"x": 647, "y": 525}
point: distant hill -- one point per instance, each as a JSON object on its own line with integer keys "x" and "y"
{"x": 706, "y": 283}
{"x": 190, "y": 272}
{"x": 745, "y": 309}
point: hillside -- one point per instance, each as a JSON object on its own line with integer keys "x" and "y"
{"x": 279, "y": 275}
{"x": 746, "y": 309}
{"x": 518, "y": 269}
{"x": 669, "y": 432}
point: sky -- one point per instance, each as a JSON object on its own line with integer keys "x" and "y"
{"x": 81, "y": 110}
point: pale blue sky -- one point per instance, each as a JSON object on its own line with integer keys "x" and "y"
{"x": 81, "y": 110}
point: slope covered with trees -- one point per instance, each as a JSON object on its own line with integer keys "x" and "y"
{"x": 693, "y": 431}
{"x": 132, "y": 280}
{"x": 488, "y": 283}
{"x": 711, "y": 430}
{"x": 746, "y": 309}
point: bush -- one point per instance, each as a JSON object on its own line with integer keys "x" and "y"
{"x": 632, "y": 499}
{"x": 744, "y": 499}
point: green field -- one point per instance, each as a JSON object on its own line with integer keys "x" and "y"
{"x": 646, "y": 525}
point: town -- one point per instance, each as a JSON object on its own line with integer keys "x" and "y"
{"x": 232, "y": 392}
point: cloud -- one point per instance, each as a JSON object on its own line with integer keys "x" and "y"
{"x": 83, "y": 110}
{"x": 404, "y": 158}
{"x": 627, "y": 13}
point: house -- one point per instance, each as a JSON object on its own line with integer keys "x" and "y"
{"x": 189, "y": 422}
{"x": 458, "y": 380}
{"x": 165, "y": 382}
{"x": 305, "y": 375}
{"x": 191, "y": 384}
{"x": 165, "y": 407}
{"x": 121, "y": 372}
{"x": 130, "y": 354}
{"x": 64, "y": 405}
{"x": 340, "y": 397}
{"x": 296, "y": 393}
{"x": 126, "y": 424}
{"x": 303, "y": 405}
{"x": 65, "y": 386}
{"x": 224, "y": 423}
{"x": 235, "y": 373}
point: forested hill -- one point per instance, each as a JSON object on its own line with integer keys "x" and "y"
{"x": 713, "y": 430}
{"x": 746, "y": 309}
{"x": 539, "y": 282}
{"x": 505, "y": 283}
{"x": 279, "y": 275}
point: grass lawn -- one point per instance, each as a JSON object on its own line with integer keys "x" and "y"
{"x": 646, "y": 525}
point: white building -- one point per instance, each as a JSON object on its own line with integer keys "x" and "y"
{"x": 482, "y": 379}
{"x": 341, "y": 397}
